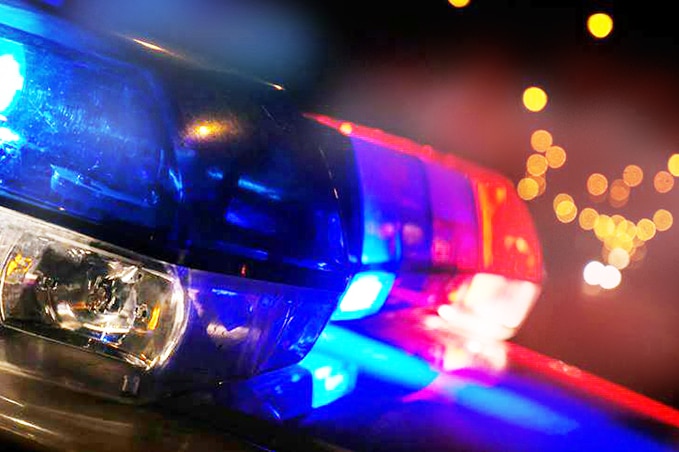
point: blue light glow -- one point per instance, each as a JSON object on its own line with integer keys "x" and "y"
{"x": 376, "y": 358}
{"x": 12, "y": 73}
{"x": 332, "y": 378}
{"x": 365, "y": 295}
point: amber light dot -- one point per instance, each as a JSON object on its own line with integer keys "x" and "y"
{"x": 619, "y": 190}
{"x": 459, "y": 3}
{"x": 541, "y": 140}
{"x": 632, "y": 175}
{"x": 556, "y": 157}
{"x": 646, "y": 229}
{"x": 558, "y": 199}
{"x": 673, "y": 165}
{"x": 534, "y": 99}
{"x": 536, "y": 165}
{"x": 588, "y": 218}
{"x": 527, "y": 188}
{"x": 597, "y": 184}
{"x": 663, "y": 220}
{"x": 600, "y": 25}
{"x": 663, "y": 182}
{"x": 566, "y": 211}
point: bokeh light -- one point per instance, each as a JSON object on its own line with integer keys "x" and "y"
{"x": 536, "y": 165}
{"x": 527, "y": 188}
{"x": 673, "y": 165}
{"x": 604, "y": 227}
{"x": 645, "y": 229}
{"x": 459, "y": 3}
{"x": 541, "y": 140}
{"x": 619, "y": 193}
{"x": 534, "y": 99}
{"x": 592, "y": 272}
{"x": 556, "y": 156}
{"x": 597, "y": 184}
{"x": 619, "y": 258}
{"x": 566, "y": 211}
{"x": 632, "y": 175}
{"x": 663, "y": 182}
{"x": 588, "y": 218}
{"x": 558, "y": 199}
{"x": 663, "y": 220}
{"x": 600, "y": 25}
{"x": 610, "y": 277}
{"x": 542, "y": 183}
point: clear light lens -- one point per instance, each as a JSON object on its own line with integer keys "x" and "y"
{"x": 57, "y": 285}
{"x": 365, "y": 295}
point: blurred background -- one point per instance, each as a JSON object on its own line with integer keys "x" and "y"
{"x": 478, "y": 78}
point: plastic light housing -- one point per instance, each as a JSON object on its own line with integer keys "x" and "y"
{"x": 118, "y": 162}
{"x": 477, "y": 258}
{"x": 365, "y": 295}
{"x": 55, "y": 284}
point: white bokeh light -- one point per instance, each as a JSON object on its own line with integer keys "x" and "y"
{"x": 593, "y": 273}
{"x": 610, "y": 277}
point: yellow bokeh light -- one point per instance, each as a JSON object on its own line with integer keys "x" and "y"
{"x": 632, "y": 175}
{"x": 556, "y": 156}
{"x": 541, "y": 140}
{"x": 534, "y": 99}
{"x": 673, "y": 165}
{"x": 527, "y": 188}
{"x": 542, "y": 183}
{"x": 663, "y": 182}
{"x": 597, "y": 184}
{"x": 566, "y": 211}
{"x": 619, "y": 190}
{"x": 663, "y": 220}
{"x": 604, "y": 227}
{"x": 645, "y": 229}
{"x": 536, "y": 165}
{"x": 600, "y": 25}
{"x": 459, "y": 3}
{"x": 558, "y": 199}
{"x": 587, "y": 219}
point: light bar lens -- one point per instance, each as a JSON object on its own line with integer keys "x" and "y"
{"x": 490, "y": 305}
{"x": 85, "y": 139}
{"x": 57, "y": 285}
{"x": 365, "y": 295}
{"x": 12, "y": 73}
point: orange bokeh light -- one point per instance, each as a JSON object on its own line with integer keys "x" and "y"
{"x": 597, "y": 184}
{"x": 541, "y": 140}
{"x": 663, "y": 182}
